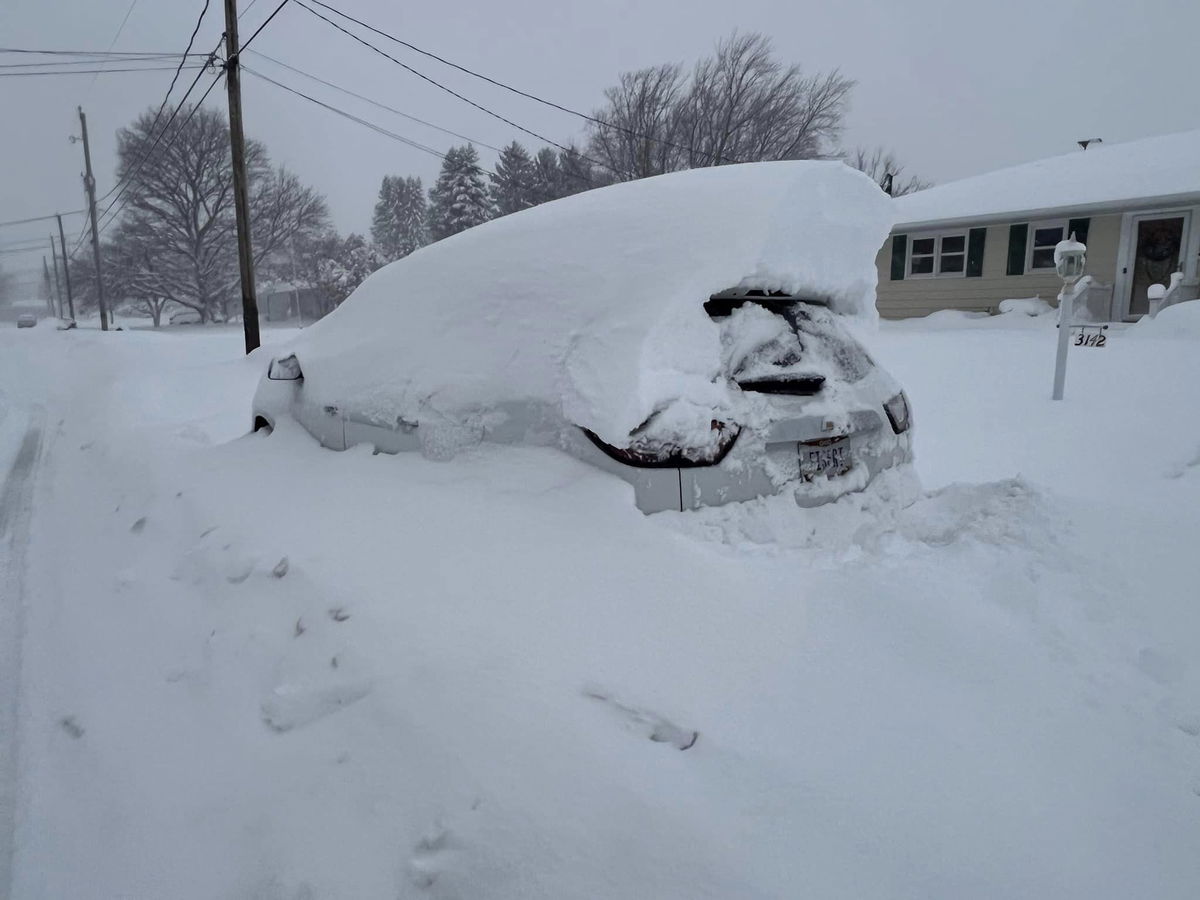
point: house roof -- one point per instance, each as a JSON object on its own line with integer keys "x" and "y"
{"x": 1157, "y": 170}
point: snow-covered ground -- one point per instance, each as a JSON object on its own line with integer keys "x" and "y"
{"x": 253, "y": 668}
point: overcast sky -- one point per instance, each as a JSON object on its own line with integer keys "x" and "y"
{"x": 956, "y": 88}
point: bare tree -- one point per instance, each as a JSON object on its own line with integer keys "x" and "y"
{"x": 131, "y": 270}
{"x": 885, "y": 170}
{"x": 640, "y": 134}
{"x": 746, "y": 106}
{"x": 739, "y": 105}
{"x": 180, "y": 208}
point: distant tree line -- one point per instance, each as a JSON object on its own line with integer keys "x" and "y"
{"x": 739, "y": 105}
{"x": 174, "y": 245}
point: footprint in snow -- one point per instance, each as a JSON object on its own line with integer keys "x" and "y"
{"x": 1189, "y": 725}
{"x": 292, "y": 706}
{"x": 659, "y": 729}
{"x": 427, "y": 859}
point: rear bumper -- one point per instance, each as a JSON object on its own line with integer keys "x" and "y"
{"x": 754, "y": 469}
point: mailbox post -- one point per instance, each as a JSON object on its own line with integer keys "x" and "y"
{"x": 1069, "y": 259}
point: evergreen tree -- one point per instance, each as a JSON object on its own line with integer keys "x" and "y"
{"x": 345, "y": 266}
{"x": 547, "y": 177}
{"x": 399, "y": 225}
{"x": 383, "y": 221}
{"x": 412, "y": 216}
{"x": 513, "y": 181}
{"x": 578, "y": 174}
{"x": 459, "y": 199}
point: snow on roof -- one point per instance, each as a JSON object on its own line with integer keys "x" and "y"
{"x": 593, "y": 304}
{"x": 1104, "y": 175}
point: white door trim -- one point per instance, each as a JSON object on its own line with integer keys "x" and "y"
{"x": 1123, "y": 282}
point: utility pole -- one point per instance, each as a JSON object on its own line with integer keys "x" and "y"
{"x": 89, "y": 182}
{"x": 57, "y": 283}
{"x": 62, "y": 245}
{"x": 241, "y": 203}
{"x": 46, "y": 285}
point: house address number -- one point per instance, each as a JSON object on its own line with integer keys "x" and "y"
{"x": 1092, "y": 336}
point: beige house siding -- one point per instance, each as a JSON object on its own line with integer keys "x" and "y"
{"x": 912, "y": 297}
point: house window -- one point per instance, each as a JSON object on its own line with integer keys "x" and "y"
{"x": 1043, "y": 238}
{"x": 938, "y": 254}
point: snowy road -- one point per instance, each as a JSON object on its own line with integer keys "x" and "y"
{"x": 15, "y": 494}
{"x": 450, "y": 687}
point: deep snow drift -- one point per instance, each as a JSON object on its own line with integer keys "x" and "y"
{"x": 476, "y": 678}
{"x": 594, "y": 304}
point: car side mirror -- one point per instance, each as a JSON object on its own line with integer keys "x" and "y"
{"x": 285, "y": 369}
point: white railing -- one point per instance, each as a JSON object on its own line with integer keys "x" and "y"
{"x": 1177, "y": 291}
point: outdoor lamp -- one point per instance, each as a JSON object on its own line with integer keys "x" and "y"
{"x": 1069, "y": 259}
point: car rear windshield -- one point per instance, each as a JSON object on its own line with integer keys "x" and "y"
{"x": 812, "y": 348}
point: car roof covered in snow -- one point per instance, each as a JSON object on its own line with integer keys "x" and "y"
{"x": 1105, "y": 176}
{"x": 594, "y": 304}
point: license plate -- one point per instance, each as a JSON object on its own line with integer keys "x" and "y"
{"x": 827, "y": 459}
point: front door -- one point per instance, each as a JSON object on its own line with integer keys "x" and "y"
{"x": 1157, "y": 252}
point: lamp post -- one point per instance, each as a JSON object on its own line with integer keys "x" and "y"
{"x": 1069, "y": 259}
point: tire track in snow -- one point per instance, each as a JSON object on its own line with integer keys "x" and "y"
{"x": 15, "y": 508}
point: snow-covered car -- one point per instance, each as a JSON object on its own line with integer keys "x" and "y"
{"x": 687, "y": 333}
{"x": 184, "y": 317}
{"x": 26, "y": 320}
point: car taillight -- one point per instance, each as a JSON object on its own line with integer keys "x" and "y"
{"x": 898, "y": 413}
{"x": 285, "y": 369}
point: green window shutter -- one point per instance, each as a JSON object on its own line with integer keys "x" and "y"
{"x": 1018, "y": 237}
{"x": 1079, "y": 228}
{"x": 975, "y": 239}
{"x": 899, "y": 256}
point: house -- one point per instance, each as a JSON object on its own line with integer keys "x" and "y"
{"x": 973, "y": 243}
{"x": 283, "y": 302}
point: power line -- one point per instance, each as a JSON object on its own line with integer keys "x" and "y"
{"x": 508, "y": 87}
{"x": 381, "y": 130}
{"x": 377, "y": 128}
{"x": 341, "y": 112}
{"x": 179, "y": 68}
{"x": 91, "y": 71}
{"x": 91, "y": 61}
{"x": 74, "y": 212}
{"x": 262, "y": 26}
{"x": 40, "y": 248}
{"x": 44, "y": 52}
{"x": 453, "y": 93}
{"x": 26, "y": 243}
{"x": 113, "y": 42}
{"x": 375, "y": 103}
{"x": 167, "y": 96}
